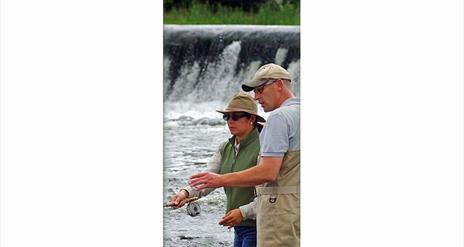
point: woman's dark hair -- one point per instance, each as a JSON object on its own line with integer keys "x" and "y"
{"x": 255, "y": 123}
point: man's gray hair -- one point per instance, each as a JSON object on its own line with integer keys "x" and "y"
{"x": 288, "y": 84}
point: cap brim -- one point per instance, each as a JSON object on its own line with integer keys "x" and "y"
{"x": 247, "y": 88}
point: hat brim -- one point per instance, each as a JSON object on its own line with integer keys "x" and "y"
{"x": 247, "y": 88}
{"x": 250, "y": 85}
{"x": 258, "y": 117}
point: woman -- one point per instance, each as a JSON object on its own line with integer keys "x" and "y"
{"x": 238, "y": 153}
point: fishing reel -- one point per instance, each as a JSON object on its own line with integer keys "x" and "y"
{"x": 193, "y": 208}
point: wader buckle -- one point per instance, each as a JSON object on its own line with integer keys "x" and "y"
{"x": 272, "y": 199}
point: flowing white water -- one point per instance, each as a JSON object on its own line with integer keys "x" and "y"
{"x": 280, "y": 56}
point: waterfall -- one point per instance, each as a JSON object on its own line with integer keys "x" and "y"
{"x": 204, "y": 65}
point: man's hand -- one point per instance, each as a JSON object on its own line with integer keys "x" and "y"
{"x": 178, "y": 200}
{"x": 232, "y": 218}
{"x": 206, "y": 180}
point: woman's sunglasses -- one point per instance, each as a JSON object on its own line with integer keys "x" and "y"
{"x": 234, "y": 116}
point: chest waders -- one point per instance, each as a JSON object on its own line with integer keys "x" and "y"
{"x": 278, "y": 206}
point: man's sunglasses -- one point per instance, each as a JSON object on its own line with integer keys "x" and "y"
{"x": 260, "y": 89}
{"x": 234, "y": 116}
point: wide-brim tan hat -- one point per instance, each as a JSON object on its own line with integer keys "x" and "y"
{"x": 243, "y": 102}
{"x": 264, "y": 73}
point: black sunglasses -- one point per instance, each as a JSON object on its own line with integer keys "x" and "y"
{"x": 234, "y": 116}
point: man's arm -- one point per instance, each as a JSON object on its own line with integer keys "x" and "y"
{"x": 213, "y": 166}
{"x": 266, "y": 171}
{"x": 179, "y": 199}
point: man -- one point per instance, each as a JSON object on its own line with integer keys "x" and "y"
{"x": 278, "y": 171}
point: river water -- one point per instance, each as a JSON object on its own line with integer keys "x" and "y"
{"x": 204, "y": 67}
{"x": 188, "y": 147}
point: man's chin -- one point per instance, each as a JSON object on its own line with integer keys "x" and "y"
{"x": 265, "y": 108}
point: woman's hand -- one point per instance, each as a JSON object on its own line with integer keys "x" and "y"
{"x": 178, "y": 200}
{"x": 232, "y": 218}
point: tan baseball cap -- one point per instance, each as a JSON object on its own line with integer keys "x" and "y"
{"x": 242, "y": 102}
{"x": 264, "y": 73}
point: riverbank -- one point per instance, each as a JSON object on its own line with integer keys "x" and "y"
{"x": 267, "y": 14}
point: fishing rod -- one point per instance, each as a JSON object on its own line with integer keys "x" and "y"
{"x": 193, "y": 208}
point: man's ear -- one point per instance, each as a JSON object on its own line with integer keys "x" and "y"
{"x": 280, "y": 84}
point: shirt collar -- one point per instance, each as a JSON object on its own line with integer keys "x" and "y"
{"x": 250, "y": 137}
{"x": 291, "y": 101}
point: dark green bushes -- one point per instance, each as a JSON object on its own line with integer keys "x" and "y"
{"x": 264, "y": 12}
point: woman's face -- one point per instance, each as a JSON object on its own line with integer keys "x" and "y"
{"x": 239, "y": 123}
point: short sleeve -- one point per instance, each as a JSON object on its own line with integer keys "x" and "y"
{"x": 274, "y": 138}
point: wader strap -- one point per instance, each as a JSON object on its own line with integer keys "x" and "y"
{"x": 277, "y": 190}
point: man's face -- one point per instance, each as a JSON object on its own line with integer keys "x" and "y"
{"x": 266, "y": 95}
